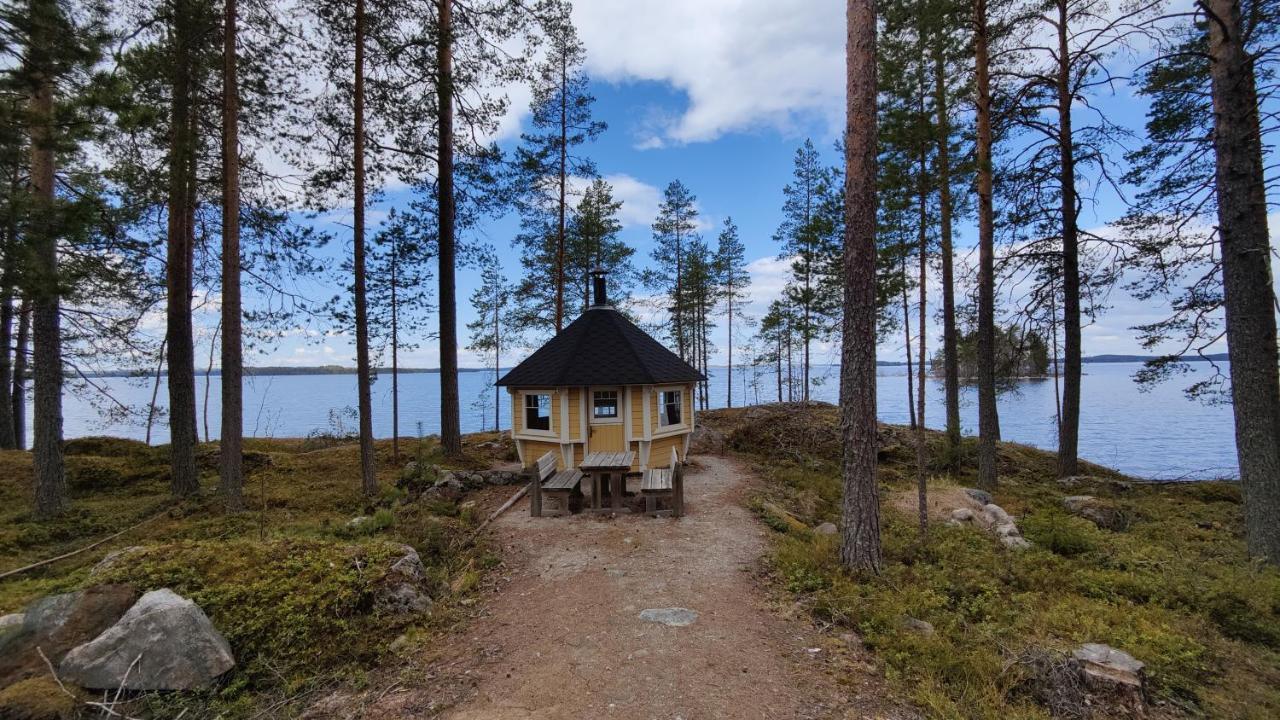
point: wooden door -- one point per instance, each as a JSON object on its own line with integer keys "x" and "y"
{"x": 605, "y": 408}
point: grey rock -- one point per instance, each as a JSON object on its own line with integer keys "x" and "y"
{"x": 981, "y": 496}
{"x": 962, "y": 515}
{"x": 1075, "y": 503}
{"x": 826, "y": 528}
{"x": 1078, "y": 480}
{"x": 164, "y": 642}
{"x": 1007, "y": 530}
{"x": 114, "y": 559}
{"x": 357, "y": 521}
{"x": 402, "y": 593}
{"x": 917, "y": 625}
{"x": 48, "y": 614}
{"x": 1015, "y": 542}
{"x": 409, "y": 565}
{"x": 996, "y": 515}
{"x": 10, "y": 624}
{"x": 674, "y": 616}
{"x": 401, "y": 598}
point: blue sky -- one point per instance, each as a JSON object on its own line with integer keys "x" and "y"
{"x": 718, "y": 94}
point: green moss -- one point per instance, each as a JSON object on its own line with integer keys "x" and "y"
{"x": 1175, "y": 588}
{"x": 37, "y": 698}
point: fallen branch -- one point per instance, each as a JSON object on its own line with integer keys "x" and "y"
{"x": 505, "y": 507}
{"x": 86, "y": 548}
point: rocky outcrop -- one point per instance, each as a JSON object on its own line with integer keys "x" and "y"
{"x": 434, "y": 481}
{"x": 164, "y": 642}
{"x": 58, "y": 623}
{"x": 993, "y": 518}
{"x": 707, "y": 440}
{"x": 403, "y": 590}
{"x": 1099, "y": 512}
{"x": 826, "y": 528}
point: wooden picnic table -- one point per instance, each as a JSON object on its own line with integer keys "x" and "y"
{"x": 616, "y": 465}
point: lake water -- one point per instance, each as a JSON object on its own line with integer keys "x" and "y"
{"x": 1155, "y": 434}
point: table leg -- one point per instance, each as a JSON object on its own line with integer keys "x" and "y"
{"x": 595, "y": 491}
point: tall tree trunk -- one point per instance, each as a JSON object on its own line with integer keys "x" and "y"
{"x": 155, "y": 389}
{"x": 20, "y": 365}
{"x": 564, "y": 181}
{"x": 1053, "y": 326}
{"x": 208, "y": 381}
{"x": 368, "y": 475}
{"x": 778, "y": 357}
{"x": 50, "y": 475}
{"x": 395, "y": 352}
{"x": 1248, "y": 295}
{"x": 1069, "y": 429}
{"x": 7, "y": 440}
{"x": 729, "y": 388}
{"x": 791, "y": 379}
{"x": 950, "y": 351}
{"x": 450, "y": 424}
{"x": 860, "y": 508}
{"x": 922, "y": 490}
{"x": 497, "y": 368}
{"x": 231, "y": 468}
{"x": 183, "y": 480}
{"x": 906, "y": 345}
{"x": 988, "y": 416}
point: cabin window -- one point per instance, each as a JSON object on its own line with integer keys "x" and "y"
{"x": 604, "y": 404}
{"x": 537, "y": 412}
{"x": 671, "y": 407}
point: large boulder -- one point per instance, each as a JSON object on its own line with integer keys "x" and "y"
{"x": 58, "y": 623}
{"x": 164, "y": 642}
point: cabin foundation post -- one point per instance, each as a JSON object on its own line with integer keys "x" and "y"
{"x": 535, "y": 495}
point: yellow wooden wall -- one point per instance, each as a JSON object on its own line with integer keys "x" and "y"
{"x": 574, "y": 398}
{"x": 637, "y": 411}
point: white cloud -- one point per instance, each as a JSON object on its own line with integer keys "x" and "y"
{"x": 743, "y": 65}
{"x": 639, "y": 199}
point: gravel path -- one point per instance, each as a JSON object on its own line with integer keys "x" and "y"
{"x": 565, "y": 639}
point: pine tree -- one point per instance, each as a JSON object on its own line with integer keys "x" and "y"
{"x": 731, "y": 262}
{"x": 673, "y": 231}
{"x": 232, "y": 464}
{"x": 593, "y": 242}
{"x": 807, "y": 237}
{"x": 988, "y": 417}
{"x": 490, "y": 301}
{"x": 547, "y": 162}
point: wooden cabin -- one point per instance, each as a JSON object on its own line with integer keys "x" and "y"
{"x": 602, "y": 385}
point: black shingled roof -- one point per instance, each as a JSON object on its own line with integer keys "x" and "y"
{"x": 601, "y": 347}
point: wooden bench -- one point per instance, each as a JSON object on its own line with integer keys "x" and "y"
{"x": 563, "y": 488}
{"x": 664, "y": 484}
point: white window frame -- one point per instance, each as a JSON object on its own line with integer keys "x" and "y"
{"x": 591, "y": 406}
{"x": 551, "y": 415}
{"x": 674, "y": 428}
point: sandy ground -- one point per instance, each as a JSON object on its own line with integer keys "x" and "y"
{"x": 563, "y": 637}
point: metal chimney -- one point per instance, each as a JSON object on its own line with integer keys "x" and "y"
{"x": 601, "y": 298}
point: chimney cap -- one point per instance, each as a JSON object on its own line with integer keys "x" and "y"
{"x": 600, "y": 295}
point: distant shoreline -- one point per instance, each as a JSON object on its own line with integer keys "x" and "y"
{"x": 276, "y": 370}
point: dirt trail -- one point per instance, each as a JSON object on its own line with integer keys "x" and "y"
{"x": 563, "y": 639}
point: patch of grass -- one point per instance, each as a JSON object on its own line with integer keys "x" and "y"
{"x": 289, "y": 582}
{"x": 1174, "y": 589}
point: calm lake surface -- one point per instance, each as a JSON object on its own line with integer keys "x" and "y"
{"x": 1155, "y": 434}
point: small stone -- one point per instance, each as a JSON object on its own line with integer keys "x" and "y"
{"x": 1007, "y": 530}
{"x": 826, "y": 528}
{"x": 962, "y": 515}
{"x": 981, "y": 496}
{"x": 673, "y": 617}
{"x": 917, "y": 625}
{"x": 1074, "y": 503}
{"x": 409, "y": 565}
{"x": 357, "y": 521}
